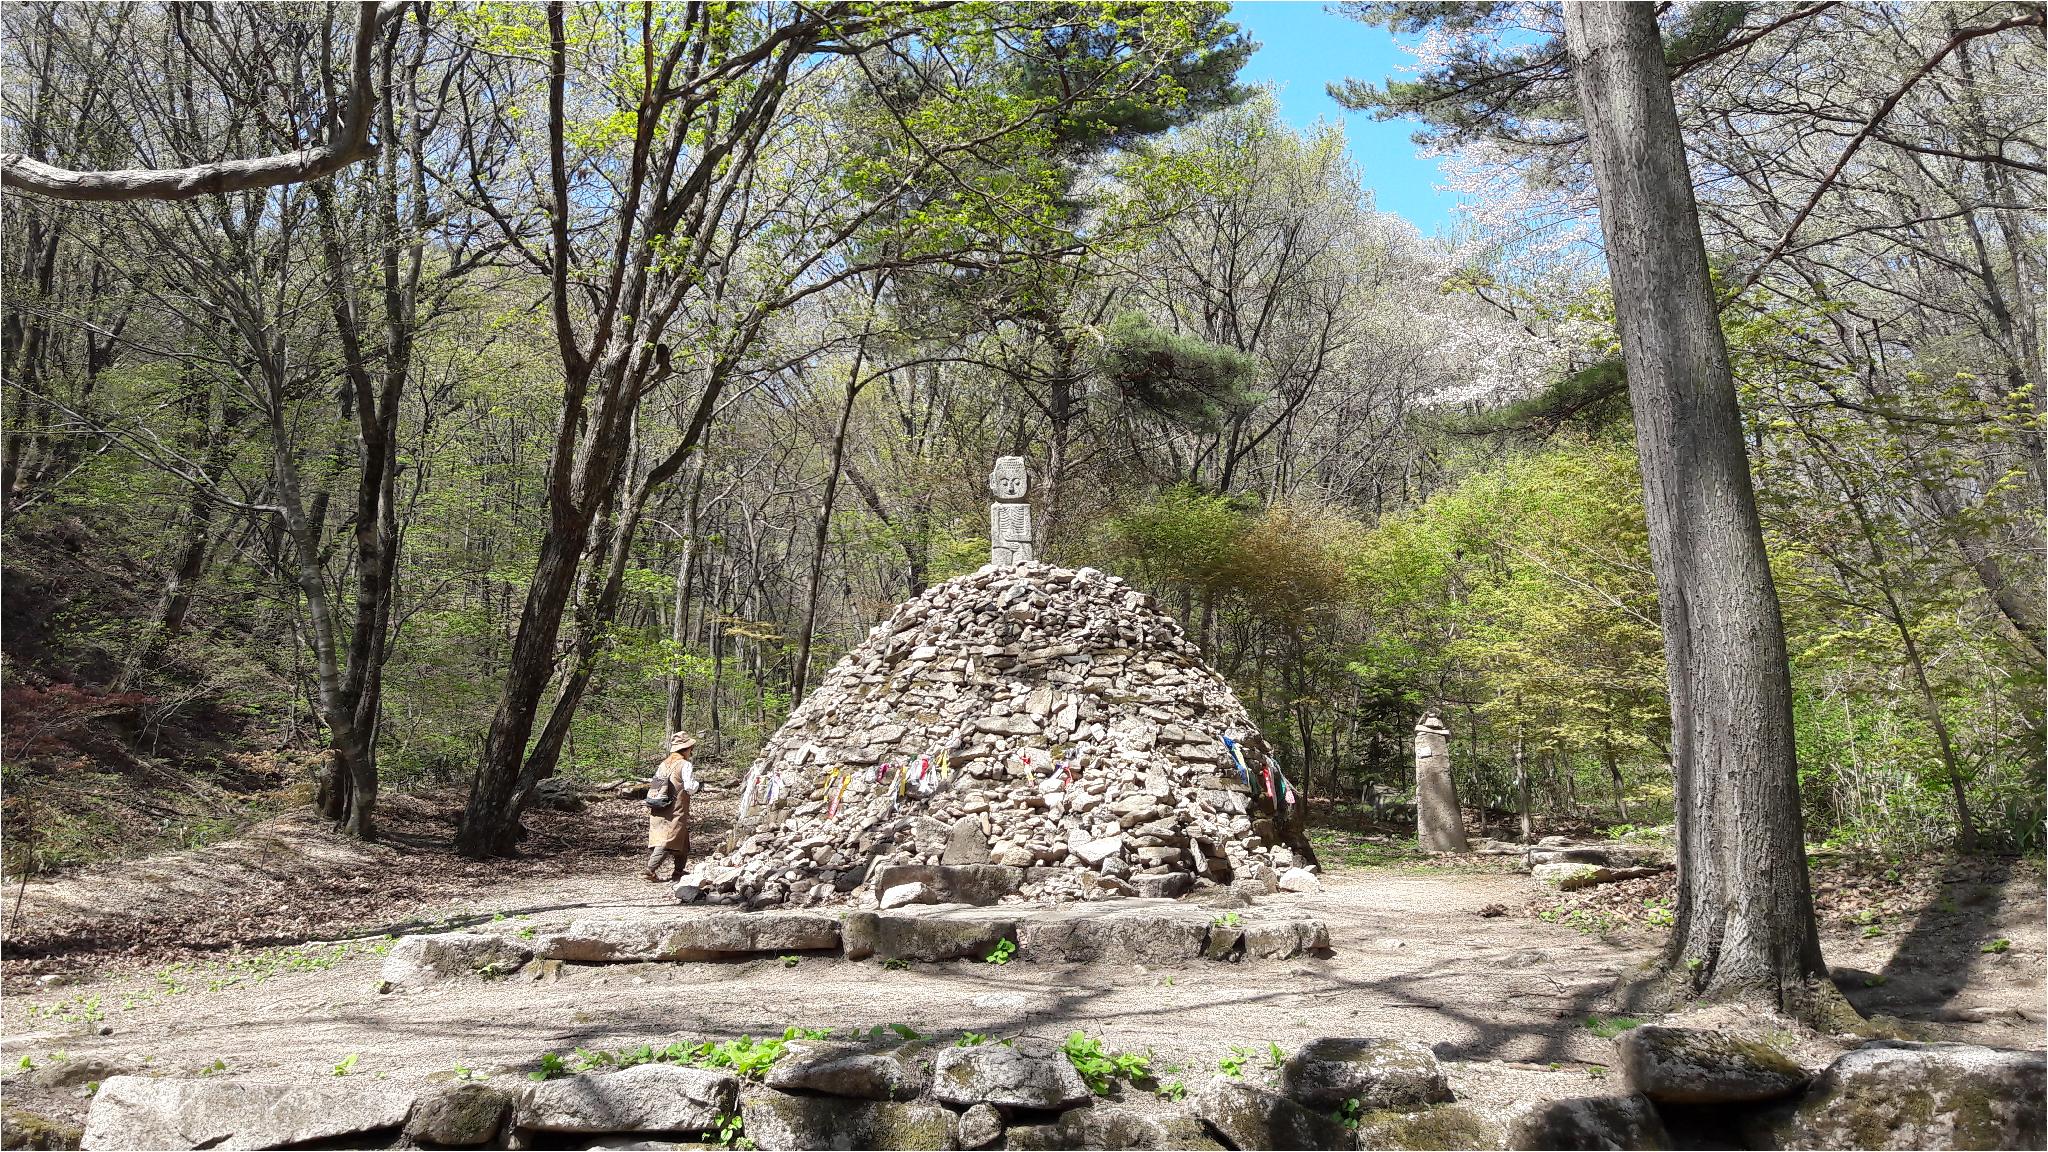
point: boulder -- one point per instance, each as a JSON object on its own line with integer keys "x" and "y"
{"x": 1897, "y": 1095}
{"x": 73, "y": 1073}
{"x": 1284, "y": 938}
{"x": 1377, "y": 1073}
{"x": 644, "y": 1098}
{"x": 1704, "y": 1066}
{"x": 1299, "y": 880}
{"x": 1446, "y": 1126}
{"x": 977, "y": 884}
{"x": 603, "y": 942}
{"x": 980, "y": 1126}
{"x": 1112, "y": 1126}
{"x": 1587, "y": 1122}
{"x": 459, "y": 1115}
{"x": 721, "y": 934}
{"x": 966, "y": 843}
{"x": 858, "y": 1071}
{"x": 20, "y": 1128}
{"x": 903, "y": 894}
{"x": 1252, "y": 1118}
{"x": 1007, "y": 1078}
{"x": 415, "y": 962}
{"x": 1149, "y": 937}
{"x": 558, "y": 794}
{"x": 927, "y": 934}
{"x": 1164, "y": 887}
{"x": 144, "y": 1112}
{"x": 775, "y": 1120}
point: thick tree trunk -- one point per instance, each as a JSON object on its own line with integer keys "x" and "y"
{"x": 1745, "y": 926}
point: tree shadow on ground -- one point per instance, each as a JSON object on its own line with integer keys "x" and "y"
{"x": 1931, "y": 964}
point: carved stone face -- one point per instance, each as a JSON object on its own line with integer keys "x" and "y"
{"x": 1008, "y": 481}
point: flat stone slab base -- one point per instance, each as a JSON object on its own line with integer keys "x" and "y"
{"x": 1138, "y": 930}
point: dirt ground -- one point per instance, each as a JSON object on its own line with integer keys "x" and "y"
{"x": 1505, "y": 998}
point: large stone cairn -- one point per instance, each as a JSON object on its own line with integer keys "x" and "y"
{"x": 1047, "y": 720}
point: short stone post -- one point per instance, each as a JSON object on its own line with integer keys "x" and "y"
{"x": 1439, "y": 825}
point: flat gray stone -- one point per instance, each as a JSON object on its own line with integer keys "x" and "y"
{"x": 1704, "y": 1066}
{"x": 603, "y": 942}
{"x": 1895, "y": 1095}
{"x": 858, "y": 1071}
{"x": 1586, "y": 1122}
{"x": 1007, "y": 1078}
{"x": 1251, "y": 1118}
{"x": 460, "y": 1114}
{"x": 1113, "y": 1126}
{"x": 980, "y": 1126}
{"x": 145, "y": 1112}
{"x": 414, "y": 962}
{"x": 928, "y": 934}
{"x": 775, "y": 1120}
{"x": 721, "y": 934}
{"x": 966, "y": 843}
{"x": 977, "y": 884}
{"x": 1377, "y": 1073}
{"x": 644, "y": 1098}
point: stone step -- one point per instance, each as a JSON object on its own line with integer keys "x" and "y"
{"x": 1128, "y": 931}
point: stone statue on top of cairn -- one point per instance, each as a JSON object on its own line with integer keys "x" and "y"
{"x": 1009, "y": 518}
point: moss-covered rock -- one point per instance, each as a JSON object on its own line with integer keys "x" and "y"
{"x": 1448, "y": 1126}
{"x": 20, "y": 1128}
{"x": 459, "y": 1116}
{"x": 1588, "y": 1122}
{"x": 1893, "y": 1095}
{"x": 1253, "y": 1118}
{"x": 1377, "y": 1073}
{"x": 775, "y": 1120}
{"x": 1705, "y": 1066}
{"x": 1113, "y": 1126}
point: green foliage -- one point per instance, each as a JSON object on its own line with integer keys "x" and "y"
{"x": 346, "y": 1066}
{"x": 1100, "y": 1067}
{"x": 1001, "y": 953}
{"x": 1178, "y": 378}
{"x": 1996, "y": 946}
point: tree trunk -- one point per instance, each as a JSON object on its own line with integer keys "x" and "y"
{"x": 1522, "y": 780}
{"x": 1745, "y": 926}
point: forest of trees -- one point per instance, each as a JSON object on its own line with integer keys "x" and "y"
{"x": 646, "y": 355}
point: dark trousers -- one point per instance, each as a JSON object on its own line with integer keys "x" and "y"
{"x": 658, "y": 857}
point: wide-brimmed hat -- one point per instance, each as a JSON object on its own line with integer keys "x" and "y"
{"x": 681, "y": 742}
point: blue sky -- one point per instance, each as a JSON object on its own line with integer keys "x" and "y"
{"x": 1302, "y": 48}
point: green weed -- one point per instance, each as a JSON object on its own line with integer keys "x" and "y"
{"x": 1610, "y": 1027}
{"x": 1100, "y": 1067}
{"x": 1002, "y": 953}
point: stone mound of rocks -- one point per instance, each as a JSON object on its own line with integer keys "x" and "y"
{"x": 1049, "y": 722}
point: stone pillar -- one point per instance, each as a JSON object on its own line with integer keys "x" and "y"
{"x": 1439, "y": 826}
{"x": 1009, "y": 518}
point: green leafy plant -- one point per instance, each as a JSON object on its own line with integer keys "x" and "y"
{"x": 1100, "y": 1067}
{"x": 1174, "y": 1090}
{"x": 732, "y": 1131}
{"x": 1348, "y": 1113}
{"x": 551, "y": 1066}
{"x": 1609, "y": 1027}
{"x": 1226, "y": 920}
{"x": 970, "y": 1040}
{"x": 1996, "y": 946}
{"x": 791, "y": 961}
{"x": 1233, "y": 1064}
{"x": 1002, "y": 952}
{"x": 906, "y": 1031}
{"x": 26, "y": 1065}
{"x": 347, "y": 1065}
{"x": 895, "y": 964}
{"x": 214, "y": 1069}
{"x": 1274, "y": 1056}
